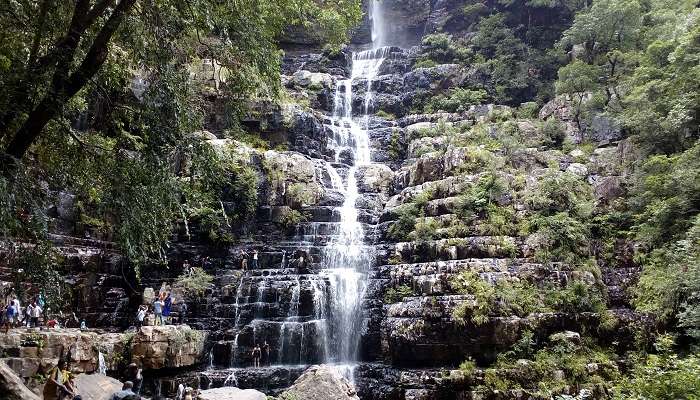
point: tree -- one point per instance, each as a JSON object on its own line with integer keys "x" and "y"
{"x": 579, "y": 80}
{"x": 46, "y": 68}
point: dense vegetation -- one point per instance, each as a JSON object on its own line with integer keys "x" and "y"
{"x": 97, "y": 101}
{"x": 74, "y": 120}
{"x": 633, "y": 64}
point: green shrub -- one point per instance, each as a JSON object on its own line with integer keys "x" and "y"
{"x": 500, "y": 221}
{"x": 424, "y": 63}
{"x": 488, "y": 189}
{"x": 424, "y": 231}
{"x": 401, "y": 229}
{"x": 396, "y": 149}
{"x": 385, "y": 115}
{"x": 561, "y": 192}
{"x": 194, "y": 285}
{"x": 528, "y": 110}
{"x": 458, "y": 100}
{"x": 442, "y": 49}
{"x": 478, "y": 310}
{"x": 291, "y": 218}
{"x": 576, "y": 297}
{"x": 552, "y": 132}
{"x": 300, "y": 194}
{"x": 395, "y": 295}
{"x": 558, "y": 237}
{"x": 662, "y": 376}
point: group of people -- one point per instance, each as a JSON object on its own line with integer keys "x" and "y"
{"x": 261, "y": 354}
{"x": 163, "y": 306}
{"x": 300, "y": 260}
{"x": 244, "y": 259}
{"x": 13, "y": 316}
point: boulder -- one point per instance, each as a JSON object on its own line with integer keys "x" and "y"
{"x": 156, "y": 347}
{"x": 321, "y": 382}
{"x": 96, "y": 386}
{"x": 231, "y": 393}
{"x": 12, "y": 387}
{"x": 305, "y": 78}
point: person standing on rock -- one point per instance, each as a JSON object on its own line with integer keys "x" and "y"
{"x": 9, "y": 316}
{"x": 255, "y": 259}
{"x": 28, "y": 311}
{"x": 256, "y": 356}
{"x": 36, "y": 315}
{"x": 158, "y": 311}
{"x": 167, "y": 306}
{"x": 266, "y": 353}
{"x": 140, "y": 316}
{"x": 18, "y": 311}
{"x": 244, "y": 261}
{"x": 182, "y": 316}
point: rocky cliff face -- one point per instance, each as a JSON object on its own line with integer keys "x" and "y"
{"x": 410, "y": 341}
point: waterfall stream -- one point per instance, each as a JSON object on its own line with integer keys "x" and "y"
{"x": 347, "y": 257}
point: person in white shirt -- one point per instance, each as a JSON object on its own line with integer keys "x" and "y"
{"x": 255, "y": 259}
{"x": 35, "y": 315}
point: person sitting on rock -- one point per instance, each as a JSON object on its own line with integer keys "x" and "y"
{"x": 133, "y": 375}
{"x": 126, "y": 393}
{"x": 59, "y": 384}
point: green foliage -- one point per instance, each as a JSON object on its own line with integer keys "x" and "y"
{"x": 666, "y": 196}
{"x": 405, "y": 223}
{"x": 41, "y": 264}
{"x": 670, "y": 282}
{"x": 662, "y": 376}
{"x": 535, "y": 371}
{"x": 440, "y": 48}
{"x": 291, "y": 218}
{"x": 553, "y": 133}
{"x": 299, "y": 194}
{"x": 486, "y": 192}
{"x": 395, "y": 295}
{"x": 558, "y": 237}
{"x": 194, "y": 284}
{"x": 458, "y": 100}
{"x": 560, "y": 192}
{"x": 396, "y": 148}
{"x": 576, "y": 297}
{"x": 385, "y": 115}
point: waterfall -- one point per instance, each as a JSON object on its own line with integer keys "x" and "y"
{"x": 101, "y": 366}
{"x": 347, "y": 257}
{"x": 376, "y": 15}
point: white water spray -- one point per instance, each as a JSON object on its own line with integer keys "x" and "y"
{"x": 347, "y": 256}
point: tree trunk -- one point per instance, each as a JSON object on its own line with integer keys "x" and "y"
{"x": 64, "y": 87}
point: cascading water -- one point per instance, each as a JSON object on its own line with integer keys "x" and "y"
{"x": 347, "y": 257}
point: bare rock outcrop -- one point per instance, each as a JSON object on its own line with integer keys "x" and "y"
{"x": 321, "y": 382}
{"x": 12, "y": 387}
